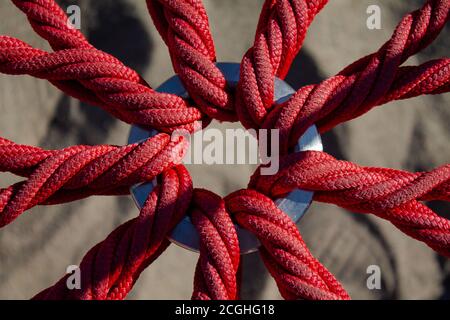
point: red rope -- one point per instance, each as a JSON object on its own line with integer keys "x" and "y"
{"x": 184, "y": 27}
{"x": 97, "y": 78}
{"x": 393, "y": 195}
{"x": 297, "y": 273}
{"x": 281, "y": 30}
{"x": 215, "y": 275}
{"x": 371, "y": 80}
{"x": 51, "y": 23}
{"x": 119, "y": 88}
{"x": 110, "y": 269}
{"x": 77, "y": 172}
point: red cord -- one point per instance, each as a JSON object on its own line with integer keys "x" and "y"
{"x": 123, "y": 93}
{"x": 280, "y": 34}
{"x": 391, "y": 194}
{"x": 110, "y": 269}
{"x": 297, "y": 273}
{"x": 371, "y": 80}
{"x": 215, "y": 275}
{"x": 51, "y": 23}
{"x": 184, "y": 27}
{"x": 77, "y": 172}
{"x": 119, "y": 88}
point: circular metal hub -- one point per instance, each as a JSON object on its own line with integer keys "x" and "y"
{"x": 295, "y": 204}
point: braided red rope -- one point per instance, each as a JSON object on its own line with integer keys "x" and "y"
{"x": 281, "y": 30}
{"x": 215, "y": 275}
{"x": 119, "y": 88}
{"x": 51, "y": 23}
{"x": 123, "y": 93}
{"x": 297, "y": 273}
{"x": 390, "y": 194}
{"x": 77, "y": 172}
{"x": 184, "y": 27}
{"x": 357, "y": 88}
{"x": 371, "y": 80}
{"x": 110, "y": 269}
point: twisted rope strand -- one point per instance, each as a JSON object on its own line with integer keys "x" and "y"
{"x": 215, "y": 274}
{"x": 110, "y": 269}
{"x": 184, "y": 27}
{"x": 120, "y": 93}
{"x": 421, "y": 27}
{"x": 391, "y": 194}
{"x": 116, "y": 85}
{"x": 371, "y": 80}
{"x": 77, "y": 172}
{"x": 280, "y": 34}
{"x": 297, "y": 273}
{"x": 50, "y": 22}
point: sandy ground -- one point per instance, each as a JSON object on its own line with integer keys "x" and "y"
{"x": 414, "y": 135}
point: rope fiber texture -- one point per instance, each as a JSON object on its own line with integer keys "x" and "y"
{"x": 391, "y": 194}
{"x": 215, "y": 275}
{"x": 59, "y": 176}
{"x": 110, "y": 269}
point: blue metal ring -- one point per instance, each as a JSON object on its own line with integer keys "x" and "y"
{"x": 295, "y": 204}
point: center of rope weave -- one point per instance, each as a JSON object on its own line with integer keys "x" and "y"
{"x": 295, "y": 204}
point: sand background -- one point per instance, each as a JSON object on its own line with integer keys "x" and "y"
{"x": 414, "y": 135}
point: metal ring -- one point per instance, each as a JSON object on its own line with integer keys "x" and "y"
{"x": 295, "y": 204}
